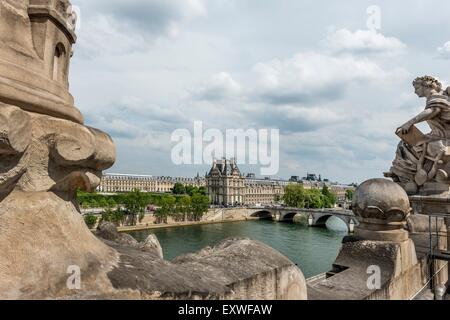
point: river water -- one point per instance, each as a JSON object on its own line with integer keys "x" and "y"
{"x": 312, "y": 249}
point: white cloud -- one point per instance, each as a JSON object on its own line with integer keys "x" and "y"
{"x": 153, "y": 16}
{"x": 444, "y": 51}
{"x": 291, "y": 118}
{"x": 363, "y": 41}
{"x": 118, "y": 26}
{"x": 314, "y": 76}
{"x": 97, "y": 35}
{"x": 340, "y": 99}
{"x": 219, "y": 86}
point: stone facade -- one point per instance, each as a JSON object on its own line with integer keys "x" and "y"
{"x": 125, "y": 183}
{"x": 227, "y": 186}
{"x": 262, "y": 191}
{"x": 225, "y": 183}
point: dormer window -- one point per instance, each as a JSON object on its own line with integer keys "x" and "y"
{"x": 59, "y": 61}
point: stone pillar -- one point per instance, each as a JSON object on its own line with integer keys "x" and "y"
{"x": 379, "y": 261}
{"x": 46, "y": 154}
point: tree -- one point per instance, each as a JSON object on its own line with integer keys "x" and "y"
{"x": 167, "y": 208}
{"x": 178, "y": 188}
{"x": 184, "y": 207}
{"x": 135, "y": 203}
{"x": 90, "y": 220}
{"x": 314, "y": 199}
{"x": 295, "y": 196}
{"x": 103, "y": 203}
{"x": 203, "y": 191}
{"x": 92, "y": 203}
{"x": 349, "y": 194}
{"x": 199, "y": 206}
{"x": 329, "y": 198}
{"x": 111, "y": 203}
{"x": 116, "y": 216}
{"x": 190, "y": 190}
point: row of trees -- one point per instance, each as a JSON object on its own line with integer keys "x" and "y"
{"x": 298, "y": 197}
{"x": 180, "y": 189}
{"x": 130, "y": 208}
{"x": 129, "y": 211}
{"x": 96, "y": 200}
{"x": 187, "y": 208}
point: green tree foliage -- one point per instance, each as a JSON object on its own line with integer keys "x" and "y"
{"x": 111, "y": 202}
{"x": 199, "y": 206}
{"x": 103, "y": 203}
{"x": 349, "y": 194}
{"x": 167, "y": 209}
{"x": 178, "y": 188}
{"x": 296, "y": 196}
{"x": 92, "y": 200}
{"x": 314, "y": 199}
{"x": 116, "y": 216}
{"x": 191, "y": 190}
{"x": 329, "y": 198}
{"x": 129, "y": 208}
{"x": 90, "y": 220}
{"x": 134, "y": 204}
{"x": 203, "y": 191}
{"x": 184, "y": 208}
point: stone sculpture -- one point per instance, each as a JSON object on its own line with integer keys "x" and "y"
{"x": 47, "y": 153}
{"x": 422, "y": 162}
{"x": 381, "y": 245}
{"x": 382, "y": 208}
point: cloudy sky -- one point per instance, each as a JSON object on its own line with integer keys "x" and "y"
{"x": 335, "y": 89}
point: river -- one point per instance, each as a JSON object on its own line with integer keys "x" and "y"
{"x": 312, "y": 249}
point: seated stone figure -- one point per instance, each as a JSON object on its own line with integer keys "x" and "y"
{"x": 424, "y": 158}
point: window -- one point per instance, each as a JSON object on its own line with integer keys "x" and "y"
{"x": 59, "y": 61}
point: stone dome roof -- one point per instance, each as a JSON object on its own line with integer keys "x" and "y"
{"x": 381, "y": 199}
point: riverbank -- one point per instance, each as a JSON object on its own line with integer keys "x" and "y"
{"x": 179, "y": 224}
{"x": 213, "y": 216}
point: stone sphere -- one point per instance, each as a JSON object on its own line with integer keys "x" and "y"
{"x": 381, "y": 199}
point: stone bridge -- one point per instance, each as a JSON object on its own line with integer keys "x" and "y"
{"x": 315, "y": 217}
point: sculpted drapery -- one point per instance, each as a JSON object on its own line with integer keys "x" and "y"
{"x": 423, "y": 158}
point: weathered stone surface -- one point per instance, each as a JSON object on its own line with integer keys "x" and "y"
{"x": 41, "y": 236}
{"x": 380, "y": 262}
{"x": 14, "y": 134}
{"x": 381, "y": 199}
{"x": 401, "y": 275}
{"x": 152, "y": 244}
{"x": 382, "y": 208}
{"x": 108, "y": 231}
{"x": 53, "y": 154}
{"x": 234, "y": 269}
{"x": 47, "y": 154}
{"x": 30, "y": 42}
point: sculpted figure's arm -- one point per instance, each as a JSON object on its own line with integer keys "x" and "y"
{"x": 425, "y": 115}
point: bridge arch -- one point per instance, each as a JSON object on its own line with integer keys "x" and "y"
{"x": 320, "y": 220}
{"x": 289, "y": 216}
{"x": 263, "y": 215}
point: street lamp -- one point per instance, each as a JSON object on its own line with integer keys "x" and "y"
{"x": 351, "y": 226}
{"x": 310, "y": 220}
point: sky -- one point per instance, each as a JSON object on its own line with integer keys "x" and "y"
{"x": 335, "y": 77}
